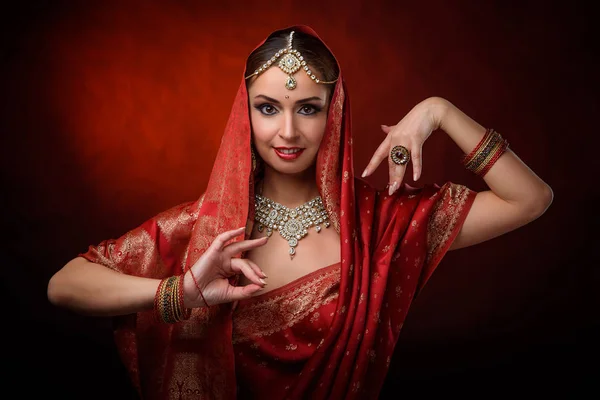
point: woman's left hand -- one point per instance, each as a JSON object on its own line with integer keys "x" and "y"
{"x": 411, "y": 132}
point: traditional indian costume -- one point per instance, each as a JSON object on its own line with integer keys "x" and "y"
{"x": 327, "y": 335}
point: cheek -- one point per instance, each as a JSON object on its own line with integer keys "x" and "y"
{"x": 262, "y": 129}
{"x": 315, "y": 130}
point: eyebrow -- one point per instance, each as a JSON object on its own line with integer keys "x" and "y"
{"x": 272, "y": 100}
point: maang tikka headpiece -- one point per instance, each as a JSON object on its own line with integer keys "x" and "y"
{"x": 290, "y": 61}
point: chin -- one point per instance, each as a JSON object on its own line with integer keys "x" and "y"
{"x": 297, "y": 167}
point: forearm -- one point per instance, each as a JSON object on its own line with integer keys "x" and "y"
{"x": 94, "y": 289}
{"x": 509, "y": 179}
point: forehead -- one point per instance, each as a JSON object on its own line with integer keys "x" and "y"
{"x": 271, "y": 83}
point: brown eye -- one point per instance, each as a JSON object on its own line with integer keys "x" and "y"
{"x": 308, "y": 109}
{"x": 267, "y": 109}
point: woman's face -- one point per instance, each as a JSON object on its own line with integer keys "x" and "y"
{"x": 287, "y": 125}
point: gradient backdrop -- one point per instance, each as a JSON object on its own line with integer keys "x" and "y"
{"x": 112, "y": 112}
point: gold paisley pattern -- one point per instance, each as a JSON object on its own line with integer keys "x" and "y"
{"x": 135, "y": 252}
{"x": 175, "y": 226}
{"x": 284, "y": 309}
{"x": 190, "y": 379}
{"x": 184, "y": 379}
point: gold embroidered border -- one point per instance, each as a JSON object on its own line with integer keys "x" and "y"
{"x": 329, "y": 182}
{"x": 280, "y": 312}
{"x": 446, "y": 213}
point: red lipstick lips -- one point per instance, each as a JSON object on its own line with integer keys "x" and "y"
{"x": 288, "y": 153}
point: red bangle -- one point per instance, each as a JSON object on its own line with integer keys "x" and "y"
{"x": 486, "y": 153}
{"x": 466, "y": 159}
{"x": 501, "y": 149}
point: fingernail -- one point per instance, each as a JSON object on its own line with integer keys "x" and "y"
{"x": 364, "y": 173}
{"x": 415, "y": 177}
{"x": 262, "y": 281}
{"x": 393, "y": 188}
{"x": 264, "y": 275}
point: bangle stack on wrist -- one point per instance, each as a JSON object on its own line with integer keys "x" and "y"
{"x": 168, "y": 301}
{"x": 486, "y": 153}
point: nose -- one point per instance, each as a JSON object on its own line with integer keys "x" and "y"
{"x": 288, "y": 129}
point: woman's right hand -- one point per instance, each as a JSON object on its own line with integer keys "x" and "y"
{"x": 214, "y": 268}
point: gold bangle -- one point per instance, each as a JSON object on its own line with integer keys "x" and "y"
{"x": 480, "y": 147}
{"x": 488, "y": 141}
{"x": 482, "y": 154}
{"x": 493, "y": 147}
{"x": 468, "y": 158}
{"x": 497, "y": 153}
{"x": 168, "y": 303}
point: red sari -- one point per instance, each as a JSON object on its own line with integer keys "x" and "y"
{"x": 329, "y": 334}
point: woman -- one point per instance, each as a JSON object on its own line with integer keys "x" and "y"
{"x": 290, "y": 277}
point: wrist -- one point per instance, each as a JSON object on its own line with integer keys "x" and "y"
{"x": 439, "y": 109}
{"x": 190, "y": 294}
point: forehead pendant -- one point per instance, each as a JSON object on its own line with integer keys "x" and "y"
{"x": 290, "y": 62}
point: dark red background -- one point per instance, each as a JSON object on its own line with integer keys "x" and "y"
{"x": 113, "y": 112}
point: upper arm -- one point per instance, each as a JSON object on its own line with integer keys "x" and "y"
{"x": 490, "y": 216}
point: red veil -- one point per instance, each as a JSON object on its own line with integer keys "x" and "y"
{"x": 390, "y": 245}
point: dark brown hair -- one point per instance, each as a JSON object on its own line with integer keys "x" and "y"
{"x": 312, "y": 49}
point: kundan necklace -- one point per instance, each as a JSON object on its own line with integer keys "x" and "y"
{"x": 292, "y": 224}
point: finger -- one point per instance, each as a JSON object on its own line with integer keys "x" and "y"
{"x": 242, "y": 292}
{"x": 396, "y": 177}
{"x": 239, "y": 265}
{"x": 378, "y": 157}
{"x": 386, "y": 129}
{"x": 396, "y": 171}
{"x": 225, "y": 237}
{"x": 417, "y": 161}
{"x": 236, "y": 248}
{"x": 257, "y": 269}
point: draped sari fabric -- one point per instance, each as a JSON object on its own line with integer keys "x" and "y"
{"x": 390, "y": 245}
